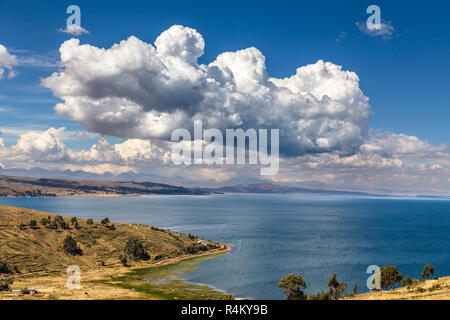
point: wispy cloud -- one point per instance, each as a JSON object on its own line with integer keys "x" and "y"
{"x": 385, "y": 31}
{"x": 341, "y": 36}
{"x": 74, "y": 30}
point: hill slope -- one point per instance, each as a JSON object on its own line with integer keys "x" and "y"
{"x": 40, "y": 248}
{"x": 43, "y": 187}
{"x": 433, "y": 289}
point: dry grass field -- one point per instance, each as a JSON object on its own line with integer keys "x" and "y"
{"x": 433, "y": 289}
{"x": 37, "y": 254}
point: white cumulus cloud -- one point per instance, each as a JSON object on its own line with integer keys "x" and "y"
{"x": 140, "y": 91}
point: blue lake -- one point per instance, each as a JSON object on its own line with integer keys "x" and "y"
{"x": 273, "y": 235}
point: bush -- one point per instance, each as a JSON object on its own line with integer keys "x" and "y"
{"x": 74, "y": 220}
{"x": 90, "y": 222}
{"x": 33, "y": 224}
{"x": 5, "y": 285}
{"x": 196, "y": 247}
{"x": 111, "y": 227}
{"x": 45, "y": 221}
{"x": 70, "y": 246}
{"x": 105, "y": 221}
{"x": 135, "y": 248}
{"x": 4, "y": 268}
{"x": 407, "y": 282}
{"x": 123, "y": 260}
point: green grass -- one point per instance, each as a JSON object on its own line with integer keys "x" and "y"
{"x": 163, "y": 282}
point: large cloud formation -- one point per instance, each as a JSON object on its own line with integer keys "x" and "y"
{"x": 386, "y": 161}
{"x": 137, "y": 90}
{"x": 7, "y": 61}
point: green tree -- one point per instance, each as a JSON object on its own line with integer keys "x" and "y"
{"x": 105, "y": 221}
{"x": 293, "y": 286}
{"x": 355, "y": 288}
{"x": 90, "y": 222}
{"x": 70, "y": 246}
{"x": 427, "y": 271}
{"x": 135, "y": 248}
{"x": 390, "y": 277}
{"x": 336, "y": 289}
{"x": 407, "y": 282}
{"x": 74, "y": 220}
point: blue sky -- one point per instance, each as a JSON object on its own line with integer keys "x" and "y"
{"x": 405, "y": 76}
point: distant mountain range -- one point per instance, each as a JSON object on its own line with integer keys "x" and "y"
{"x": 274, "y": 188}
{"x": 18, "y": 185}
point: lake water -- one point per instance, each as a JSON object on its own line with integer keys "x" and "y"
{"x": 273, "y": 235}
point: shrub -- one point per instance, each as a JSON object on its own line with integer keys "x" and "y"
{"x": 33, "y": 224}
{"x": 135, "y": 248}
{"x": 74, "y": 220}
{"x": 59, "y": 220}
{"x": 4, "y": 268}
{"x": 435, "y": 286}
{"x": 5, "y": 285}
{"x": 123, "y": 260}
{"x": 111, "y": 227}
{"x": 407, "y": 282}
{"x": 70, "y": 246}
{"x": 90, "y": 222}
{"x": 45, "y": 221}
{"x": 105, "y": 221}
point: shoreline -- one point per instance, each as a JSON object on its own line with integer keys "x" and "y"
{"x": 111, "y": 283}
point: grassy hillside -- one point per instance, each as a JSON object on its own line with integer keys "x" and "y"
{"x": 39, "y": 248}
{"x": 435, "y": 289}
{"x": 34, "y": 187}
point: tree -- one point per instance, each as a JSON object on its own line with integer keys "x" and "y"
{"x": 70, "y": 246}
{"x": 355, "y": 289}
{"x": 59, "y": 220}
{"x": 4, "y": 268}
{"x": 427, "y": 271}
{"x": 74, "y": 220}
{"x": 33, "y": 224}
{"x": 135, "y": 248}
{"x": 44, "y": 221}
{"x": 390, "y": 277}
{"x": 105, "y": 221}
{"x": 337, "y": 289}
{"x": 407, "y": 282}
{"x": 90, "y": 222}
{"x": 292, "y": 286}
